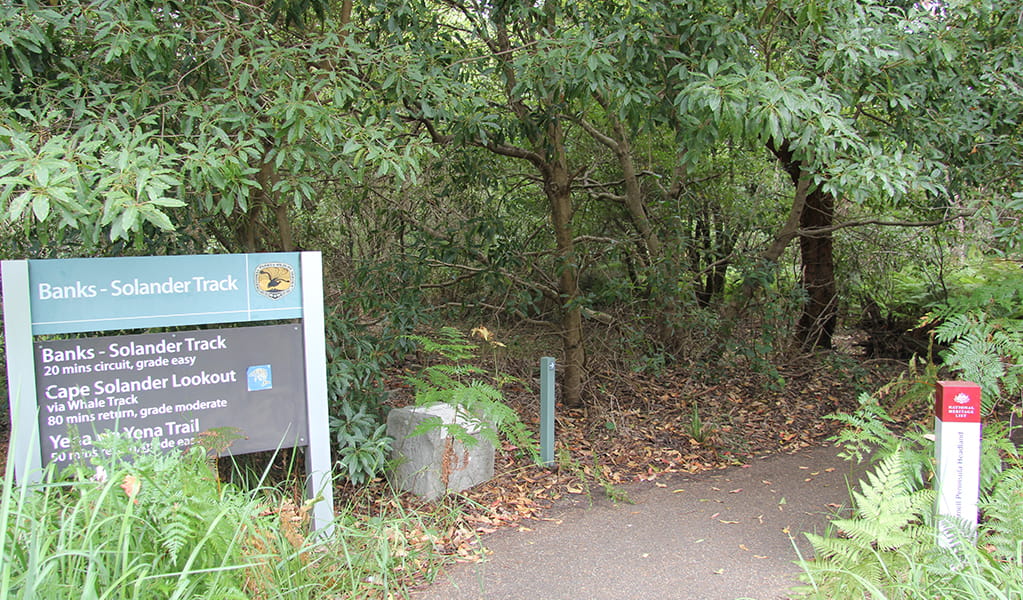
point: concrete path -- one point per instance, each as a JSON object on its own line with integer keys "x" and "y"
{"x": 714, "y": 536}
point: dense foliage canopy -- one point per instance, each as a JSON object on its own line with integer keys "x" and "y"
{"x": 638, "y": 167}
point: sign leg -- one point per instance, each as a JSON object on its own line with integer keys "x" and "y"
{"x": 318, "y": 461}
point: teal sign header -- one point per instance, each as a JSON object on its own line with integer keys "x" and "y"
{"x": 102, "y": 294}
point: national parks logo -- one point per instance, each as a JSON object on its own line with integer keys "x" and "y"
{"x": 275, "y": 279}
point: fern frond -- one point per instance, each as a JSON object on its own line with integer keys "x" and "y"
{"x": 885, "y": 534}
{"x": 479, "y": 403}
{"x": 986, "y": 349}
{"x": 177, "y": 526}
{"x": 956, "y": 326}
{"x": 866, "y": 429}
{"x": 1003, "y": 516}
{"x": 448, "y": 343}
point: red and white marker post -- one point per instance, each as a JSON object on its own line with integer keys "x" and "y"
{"x": 957, "y": 450}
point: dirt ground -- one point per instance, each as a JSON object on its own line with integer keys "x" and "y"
{"x": 643, "y": 426}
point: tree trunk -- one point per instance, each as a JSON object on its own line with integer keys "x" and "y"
{"x": 634, "y": 194}
{"x": 547, "y": 153}
{"x": 559, "y": 193}
{"x": 817, "y": 322}
{"x": 816, "y": 208}
{"x": 717, "y": 270}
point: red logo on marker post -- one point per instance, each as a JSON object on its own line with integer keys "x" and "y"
{"x": 957, "y": 402}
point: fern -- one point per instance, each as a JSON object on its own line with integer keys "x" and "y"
{"x": 914, "y": 389}
{"x": 983, "y": 324}
{"x": 1002, "y": 528}
{"x": 177, "y": 527}
{"x": 866, "y": 429}
{"x": 888, "y": 509}
{"x": 988, "y": 284}
{"x": 868, "y": 436}
{"x": 448, "y": 343}
{"x": 479, "y": 403}
{"x": 887, "y": 547}
{"x": 181, "y": 497}
{"x": 887, "y": 533}
{"x": 985, "y": 350}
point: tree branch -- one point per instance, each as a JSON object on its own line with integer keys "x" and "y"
{"x": 822, "y": 231}
{"x": 518, "y": 313}
{"x": 860, "y": 110}
{"x": 598, "y": 135}
{"x": 592, "y": 238}
{"x": 514, "y": 152}
{"x": 791, "y": 228}
{"x": 502, "y": 149}
{"x": 474, "y": 271}
{"x": 609, "y": 196}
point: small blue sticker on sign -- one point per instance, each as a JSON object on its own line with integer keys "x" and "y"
{"x": 260, "y": 377}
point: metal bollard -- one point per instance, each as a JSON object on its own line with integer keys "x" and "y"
{"x": 547, "y": 411}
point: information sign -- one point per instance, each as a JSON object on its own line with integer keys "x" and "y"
{"x": 170, "y": 387}
{"x": 103, "y": 294}
{"x": 268, "y": 381}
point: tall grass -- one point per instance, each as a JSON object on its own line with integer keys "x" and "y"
{"x": 148, "y": 525}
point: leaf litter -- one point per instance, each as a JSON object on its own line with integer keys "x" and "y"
{"x": 643, "y": 435}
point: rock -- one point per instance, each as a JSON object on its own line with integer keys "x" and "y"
{"x": 434, "y": 463}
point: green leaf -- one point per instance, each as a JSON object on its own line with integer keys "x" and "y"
{"x": 129, "y": 218}
{"x": 19, "y": 204}
{"x": 167, "y": 202}
{"x": 41, "y": 207}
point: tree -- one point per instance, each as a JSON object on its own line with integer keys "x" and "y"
{"x": 113, "y": 113}
{"x": 541, "y": 83}
{"x": 625, "y": 139}
{"x": 870, "y": 107}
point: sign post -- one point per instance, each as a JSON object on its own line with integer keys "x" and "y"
{"x": 957, "y": 450}
{"x": 547, "y": 411}
{"x": 267, "y": 381}
{"x": 21, "y": 383}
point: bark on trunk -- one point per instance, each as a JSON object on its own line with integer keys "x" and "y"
{"x": 816, "y": 208}
{"x": 634, "y": 195}
{"x": 548, "y": 154}
{"x": 817, "y": 322}
{"x": 266, "y": 225}
{"x": 559, "y": 194}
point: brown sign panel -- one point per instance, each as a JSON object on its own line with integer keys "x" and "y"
{"x": 170, "y": 387}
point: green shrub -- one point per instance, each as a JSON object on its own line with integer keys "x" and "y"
{"x": 362, "y": 441}
{"x": 356, "y": 360}
{"x": 154, "y": 526}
